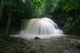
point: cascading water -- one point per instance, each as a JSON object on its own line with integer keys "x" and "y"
{"x": 42, "y": 28}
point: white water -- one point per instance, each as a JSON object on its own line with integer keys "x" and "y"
{"x": 42, "y": 28}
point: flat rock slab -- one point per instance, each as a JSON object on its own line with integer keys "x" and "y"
{"x": 65, "y": 44}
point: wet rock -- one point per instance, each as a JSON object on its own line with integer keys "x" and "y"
{"x": 20, "y": 40}
{"x": 37, "y": 38}
{"x": 18, "y": 52}
{"x": 32, "y": 51}
{"x": 78, "y": 46}
{"x": 42, "y": 46}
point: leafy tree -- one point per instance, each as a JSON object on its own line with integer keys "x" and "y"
{"x": 63, "y": 11}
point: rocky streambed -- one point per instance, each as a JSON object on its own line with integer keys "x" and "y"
{"x": 65, "y": 44}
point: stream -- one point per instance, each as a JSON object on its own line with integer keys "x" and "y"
{"x": 64, "y": 44}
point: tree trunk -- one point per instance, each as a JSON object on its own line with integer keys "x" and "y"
{"x": 1, "y": 7}
{"x": 8, "y": 22}
{"x": 75, "y": 14}
{"x": 8, "y": 25}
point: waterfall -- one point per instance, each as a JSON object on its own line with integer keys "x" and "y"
{"x": 40, "y": 27}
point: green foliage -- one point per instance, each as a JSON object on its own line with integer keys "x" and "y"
{"x": 37, "y": 8}
{"x": 71, "y": 5}
{"x": 69, "y": 10}
{"x": 27, "y": 9}
{"x": 70, "y": 23}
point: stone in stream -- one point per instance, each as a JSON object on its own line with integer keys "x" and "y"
{"x": 32, "y": 51}
{"x": 78, "y": 46}
{"x": 37, "y": 38}
{"x": 42, "y": 46}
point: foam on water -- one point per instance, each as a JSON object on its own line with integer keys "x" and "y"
{"x": 31, "y": 36}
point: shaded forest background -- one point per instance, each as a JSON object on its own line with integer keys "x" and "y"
{"x": 66, "y": 13}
